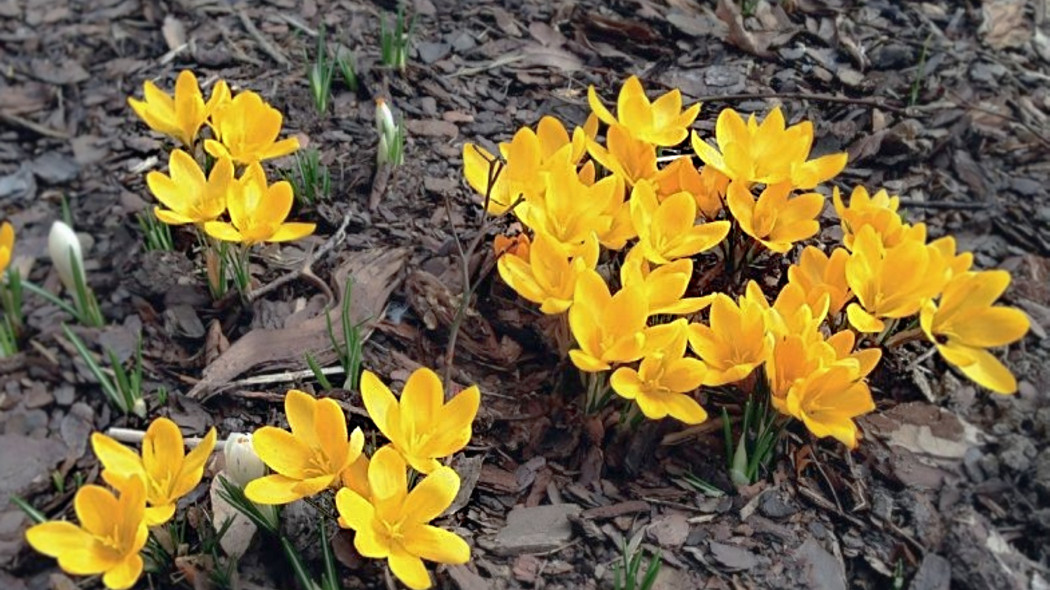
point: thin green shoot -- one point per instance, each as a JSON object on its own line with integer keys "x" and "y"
{"x": 156, "y": 235}
{"x": 350, "y": 350}
{"x": 13, "y": 319}
{"x": 396, "y": 39}
{"x": 33, "y": 514}
{"x": 330, "y": 576}
{"x": 124, "y": 389}
{"x": 625, "y": 573}
{"x": 311, "y": 178}
{"x": 703, "y": 486}
{"x": 318, "y": 372}
{"x": 88, "y": 312}
{"x": 346, "y": 61}
{"x": 320, "y": 74}
{"x": 920, "y": 73}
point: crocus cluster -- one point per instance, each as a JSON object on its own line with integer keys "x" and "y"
{"x": 373, "y": 498}
{"x": 216, "y": 181}
{"x": 114, "y": 524}
{"x": 634, "y": 312}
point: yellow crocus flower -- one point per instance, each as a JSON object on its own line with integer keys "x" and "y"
{"x": 311, "y": 457}
{"x": 110, "y": 537}
{"x": 664, "y": 286}
{"x": 661, "y": 384}
{"x": 394, "y": 523}
{"x": 547, "y": 275}
{"x": 181, "y": 116}
{"x": 827, "y": 401}
{"x": 168, "y": 471}
{"x": 258, "y": 211}
{"x": 572, "y": 211}
{"x": 421, "y": 426}
{"x": 608, "y": 328}
{"x": 668, "y": 230}
{"x": 878, "y": 210}
{"x": 661, "y": 122}
{"x": 891, "y": 282}
{"x": 246, "y": 130}
{"x": 775, "y": 220}
{"x": 187, "y": 194}
{"x": 965, "y": 322}
{"x": 819, "y": 274}
{"x": 734, "y": 342}
{"x": 766, "y": 153}
{"x": 628, "y": 157}
{"x": 708, "y": 186}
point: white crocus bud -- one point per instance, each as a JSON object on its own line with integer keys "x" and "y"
{"x": 242, "y": 464}
{"x": 139, "y": 408}
{"x": 64, "y": 247}
{"x": 385, "y": 124}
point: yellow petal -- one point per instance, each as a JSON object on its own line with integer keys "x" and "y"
{"x": 58, "y": 537}
{"x": 96, "y": 507}
{"x": 193, "y": 466}
{"x": 437, "y": 545}
{"x": 300, "y": 408}
{"x": 432, "y": 496}
{"x": 281, "y": 451}
{"x": 355, "y": 512}
{"x": 124, "y": 574}
{"x": 115, "y": 457}
{"x": 983, "y": 368}
{"x": 162, "y": 455}
{"x": 272, "y": 489}
{"x": 330, "y": 425}
{"x": 599, "y": 109}
{"x": 289, "y": 232}
{"x": 994, "y": 326}
{"x": 387, "y": 474}
{"x": 684, "y": 408}
{"x": 280, "y": 148}
{"x": 221, "y": 230}
{"x": 586, "y": 362}
{"x": 421, "y": 402}
{"x": 863, "y": 321}
{"x": 378, "y": 400}
{"x": 409, "y": 569}
{"x": 625, "y": 383}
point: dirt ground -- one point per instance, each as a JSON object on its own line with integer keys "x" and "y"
{"x": 943, "y": 103}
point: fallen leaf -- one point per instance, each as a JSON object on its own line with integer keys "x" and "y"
{"x": 738, "y": 36}
{"x": 1004, "y": 23}
{"x": 174, "y": 32}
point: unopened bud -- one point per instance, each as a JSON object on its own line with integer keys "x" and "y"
{"x": 242, "y": 464}
{"x": 139, "y": 408}
{"x": 66, "y": 254}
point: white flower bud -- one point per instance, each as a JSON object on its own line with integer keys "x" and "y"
{"x": 242, "y": 464}
{"x": 64, "y": 247}
{"x": 139, "y": 408}
{"x": 385, "y": 124}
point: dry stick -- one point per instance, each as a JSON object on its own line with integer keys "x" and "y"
{"x": 265, "y": 43}
{"x": 379, "y": 184}
{"x": 131, "y": 435}
{"x": 869, "y": 102}
{"x": 495, "y": 169}
{"x": 32, "y": 126}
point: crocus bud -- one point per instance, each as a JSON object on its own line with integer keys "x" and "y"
{"x": 64, "y": 247}
{"x": 139, "y": 408}
{"x": 242, "y": 464}
{"x": 385, "y": 124}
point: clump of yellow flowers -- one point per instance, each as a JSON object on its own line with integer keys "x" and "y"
{"x": 373, "y": 496}
{"x": 743, "y": 202}
{"x": 217, "y": 183}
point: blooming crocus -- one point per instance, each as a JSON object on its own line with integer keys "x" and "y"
{"x": 7, "y": 244}
{"x": 394, "y": 523}
{"x": 180, "y": 117}
{"x": 246, "y": 130}
{"x": 891, "y": 282}
{"x": 708, "y": 186}
{"x": 258, "y": 211}
{"x": 66, "y": 255}
{"x": 546, "y": 275}
{"x": 664, "y": 286}
{"x": 878, "y": 210}
{"x": 965, "y": 322}
{"x": 111, "y": 534}
{"x": 571, "y": 211}
{"x": 421, "y": 426}
{"x": 668, "y": 230}
{"x": 661, "y": 122}
{"x": 733, "y": 343}
{"x": 168, "y": 471}
{"x": 527, "y": 155}
{"x": 662, "y": 383}
{"x": 767, "y": 153}
{"x": 310, "y": 458}
{"x": 775, "y": 220}
{"x": 819, "y": 274}
{"x": 628, "y": 157}
{"x": 608, "y": 328}
{"x": 828, "y": 400}
{"x": 187, "y": 194}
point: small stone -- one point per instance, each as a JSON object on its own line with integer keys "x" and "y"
{"x": 670, "y": 530}
{"x": 775, "y": 505}
{"x": 535, "y": 529}
{"x": 731, "y": 557}
{"x": 935, "y": 573}
{"x": 1018, "y": 453}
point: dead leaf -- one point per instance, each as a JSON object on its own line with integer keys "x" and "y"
{"x": 755, "y": 44}
{"x": 375, "y": 275}
{"x": 67, "y": 72}
{"x": 174, "y": 32}
{"x": 536, "y": 55}
{"x": 241, "y": 529}
{"x": 1005, "y": 24}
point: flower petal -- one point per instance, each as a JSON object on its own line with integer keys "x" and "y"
{"x": 410, "y": 570}
{"x": 355, "y": 512}
{"x": 437, "y": 545}
{"x": 96, "y": 507}
{"x": 378, "y": 401}
{"x": 282, "y": 451}
{"x": 272, "y": 489}
{"x": 124, "y": 574}
{"x": 432, "y": 496}
{"x": 387, "y": 474}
